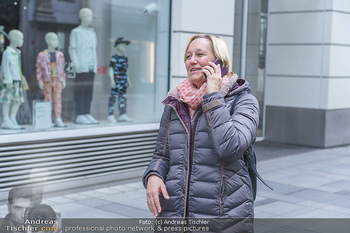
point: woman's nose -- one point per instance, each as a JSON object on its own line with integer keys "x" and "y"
{"x": 193, "y": 60}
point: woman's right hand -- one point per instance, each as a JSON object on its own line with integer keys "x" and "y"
{"x": 155, "y": 185}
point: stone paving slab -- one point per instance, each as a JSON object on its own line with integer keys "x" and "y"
{"x": 76, "y": 210}
{"x": 126, "y": 211}
{"x": 93, "y": 202}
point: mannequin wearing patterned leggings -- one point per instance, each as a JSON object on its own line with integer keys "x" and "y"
{"x": 119, "y": 82}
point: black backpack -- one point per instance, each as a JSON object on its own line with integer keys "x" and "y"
{"x": 250, "y": 159}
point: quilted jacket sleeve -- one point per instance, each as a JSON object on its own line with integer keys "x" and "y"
{"x": 231, "y": 135}
{"x": 159, "y": 164}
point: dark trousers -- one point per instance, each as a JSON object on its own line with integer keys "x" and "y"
{"x": 83, "y": 89}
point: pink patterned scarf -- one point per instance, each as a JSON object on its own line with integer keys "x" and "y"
{"x": 193, "y": 96}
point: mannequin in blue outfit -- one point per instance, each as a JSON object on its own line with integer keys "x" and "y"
{"x": 119, "y": 82}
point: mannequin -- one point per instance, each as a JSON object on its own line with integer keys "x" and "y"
{"x": 50, "y": 74}
{"x": 11, "y": 89}
{"x": 82, "y": 52}
{"x": 119, "y": 81}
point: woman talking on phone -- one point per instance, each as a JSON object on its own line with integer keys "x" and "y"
{"x": 198, "y": 169}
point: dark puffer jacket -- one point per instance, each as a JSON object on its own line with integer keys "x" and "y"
{"x": 201, "y": 161}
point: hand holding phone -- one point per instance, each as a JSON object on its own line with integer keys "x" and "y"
{"x": 214, "y": 83}
{"x": 224, "y": 70}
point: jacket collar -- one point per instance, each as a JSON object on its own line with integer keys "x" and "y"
{"x": 239, "y": 86}
{"x": 85, "y": 28}
{"x": 47, "y": 52}
{"x": 13, "y": 50}
{"x": 48, "y": 55}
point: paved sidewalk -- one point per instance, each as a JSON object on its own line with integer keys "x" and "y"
{"x": 314, "y": 183}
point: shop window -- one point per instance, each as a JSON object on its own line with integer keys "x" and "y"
{"x": 62, "y": 48}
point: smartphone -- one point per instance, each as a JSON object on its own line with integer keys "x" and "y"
{"x": 224, "y": 70}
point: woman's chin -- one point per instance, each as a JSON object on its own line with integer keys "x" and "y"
{"x": 197, "y": 79}
{"x": 198, "y": 83}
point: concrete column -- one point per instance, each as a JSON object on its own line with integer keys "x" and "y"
{"x": 193, "y": 17}
{"x": 308, "y": 73}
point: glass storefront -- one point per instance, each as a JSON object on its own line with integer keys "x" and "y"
{"x": 250, "y": 48}
{"x": 135, "y": 30}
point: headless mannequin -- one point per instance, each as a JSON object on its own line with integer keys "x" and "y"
{"x": 85, "y": 16}
{"x": 58, "y": 83}
{"x": 9, "y": 111}
{"x": 83, "y": 57}
{"x": 118, "y": 88}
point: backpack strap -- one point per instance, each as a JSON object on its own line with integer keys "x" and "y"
{"x": 234, "y": 103}
{"x": 249, "y": 154}
{"x": 250, "y": 159}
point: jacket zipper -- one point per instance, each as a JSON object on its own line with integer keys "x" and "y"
{"x": 190, "y": 159}
{"x": 190, "y": 154}
{"x": 222, "y": 190}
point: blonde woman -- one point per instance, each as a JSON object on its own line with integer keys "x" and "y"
{"x": 198, "y": 169}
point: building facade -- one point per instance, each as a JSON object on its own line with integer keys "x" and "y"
{"x": 307, "y": 73}
{"x": 293, "y": 54}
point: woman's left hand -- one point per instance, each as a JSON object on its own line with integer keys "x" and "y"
{"x": 213, "y": 73}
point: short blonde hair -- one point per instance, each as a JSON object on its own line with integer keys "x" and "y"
{"x": 219, "y": 49}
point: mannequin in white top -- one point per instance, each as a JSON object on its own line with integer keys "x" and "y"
{"x": 82, "y": 51}
{"x": 85, "y": 15}
{"x": 12, "y": 90}
{"x": 50, "y": 74}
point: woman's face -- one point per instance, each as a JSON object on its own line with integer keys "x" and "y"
{"x": 198, "y": 55}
